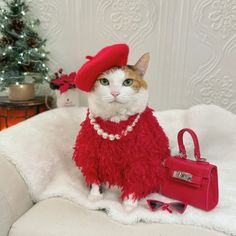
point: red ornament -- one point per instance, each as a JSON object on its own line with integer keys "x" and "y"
{"x": 108, "y": 57}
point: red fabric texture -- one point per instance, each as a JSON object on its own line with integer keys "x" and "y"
{"x": 133, "y": 163}
{"x": 108, "y": 57}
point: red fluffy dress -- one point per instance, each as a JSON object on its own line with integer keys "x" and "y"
{"x": 133, "y": 162}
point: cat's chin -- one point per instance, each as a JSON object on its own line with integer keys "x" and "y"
{"x": 115, "y": 112}
{"x": 118, "y": 118}
{"x": 116, "y": 102}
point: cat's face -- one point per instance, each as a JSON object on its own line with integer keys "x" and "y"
{"x": 120, "y": 91}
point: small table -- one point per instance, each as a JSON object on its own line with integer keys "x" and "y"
{"x": 13, "y": 112}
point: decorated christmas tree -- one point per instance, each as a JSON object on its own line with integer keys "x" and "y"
{"x": 23, "y": 55}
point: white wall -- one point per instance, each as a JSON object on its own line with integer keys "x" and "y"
{"x": 192, "y": 43}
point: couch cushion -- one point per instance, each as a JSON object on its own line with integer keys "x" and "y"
{"x": 59, "y": 217}
{"x": 12, "y": 191}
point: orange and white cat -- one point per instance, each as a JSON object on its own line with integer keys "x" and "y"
{"x": 119, "y": 100}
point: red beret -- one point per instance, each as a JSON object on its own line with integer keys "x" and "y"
{"x": 108, "y": 57}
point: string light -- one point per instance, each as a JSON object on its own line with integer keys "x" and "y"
{"x": 23, "y": 55}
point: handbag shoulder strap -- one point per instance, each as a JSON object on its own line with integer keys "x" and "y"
{"x": 182, "y": 149}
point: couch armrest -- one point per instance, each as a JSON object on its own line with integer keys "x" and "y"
{"x": 14, "y": 197}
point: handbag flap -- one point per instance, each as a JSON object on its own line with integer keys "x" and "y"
{"x": 188, "y": 171}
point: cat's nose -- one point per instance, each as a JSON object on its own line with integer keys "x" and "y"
{"x": 115, "y": 93}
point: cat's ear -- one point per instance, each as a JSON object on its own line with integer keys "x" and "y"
{"x": 142, "y": 63}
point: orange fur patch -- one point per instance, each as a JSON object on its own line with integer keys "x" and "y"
{"x": 133, "y": 73}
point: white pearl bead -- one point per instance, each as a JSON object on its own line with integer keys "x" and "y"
{"x": 129, "y": 128}
{"x": 111, "y": 137}
{"x": 105, "y": 135}
{"x": 90, "y": 116}
{"x": 92, "y": 121}
{"x": 125, "y": 133}
{"x": 96, "y": 126}
{"x": 117, "y": 136}
{"x": 100, "y": 131}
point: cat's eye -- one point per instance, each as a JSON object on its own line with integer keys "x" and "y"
{"x": 128, "y": 82}
{"x": 104, "y": 81}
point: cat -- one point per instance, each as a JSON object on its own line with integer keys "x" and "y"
{"x": 121, "y": 142}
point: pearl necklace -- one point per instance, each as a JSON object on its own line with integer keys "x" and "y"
{"x": 106, "y": 135}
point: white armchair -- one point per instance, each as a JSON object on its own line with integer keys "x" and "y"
{"x": 14, "y": 197}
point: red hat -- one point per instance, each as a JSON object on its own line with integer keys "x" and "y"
{"x": 108, "y": 57}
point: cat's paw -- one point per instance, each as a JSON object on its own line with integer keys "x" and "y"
{"x": 130, "y": 204}
{"x": 95, "y": 197}
{"x": 95, "y": 193}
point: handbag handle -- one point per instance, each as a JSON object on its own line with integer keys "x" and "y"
{"x": 182, "y": 149}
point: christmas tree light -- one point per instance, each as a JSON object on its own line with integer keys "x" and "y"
{"x": 22, "y": 51}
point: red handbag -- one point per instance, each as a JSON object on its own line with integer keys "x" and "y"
{"x": 192, "y": 182}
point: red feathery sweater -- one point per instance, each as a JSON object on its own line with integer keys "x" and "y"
{"x": 132, "y": 163}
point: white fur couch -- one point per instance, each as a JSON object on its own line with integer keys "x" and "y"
{"x": 59, "y": 217}
{"x": 55, "y": 216}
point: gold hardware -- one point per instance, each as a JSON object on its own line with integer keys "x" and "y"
{"x": 183, "y": 176}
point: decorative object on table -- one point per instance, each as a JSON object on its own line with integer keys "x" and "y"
{"x": 66, "y": 93}
{"x": 23, "y": 57}
{"x": 171, "y": 207}
{"x": 21, "y": 92}
{"x": 12, "y": 112}
{"x": 117, "y": 143}
{"x": 193, "y": 182}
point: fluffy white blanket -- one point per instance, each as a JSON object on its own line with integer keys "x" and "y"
{"x": 42, "y": 147}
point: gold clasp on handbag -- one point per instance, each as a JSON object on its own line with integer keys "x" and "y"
{"x": 182, "y": 175}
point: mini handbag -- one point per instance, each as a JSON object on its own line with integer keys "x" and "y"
{"x": 189, "y": 181}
